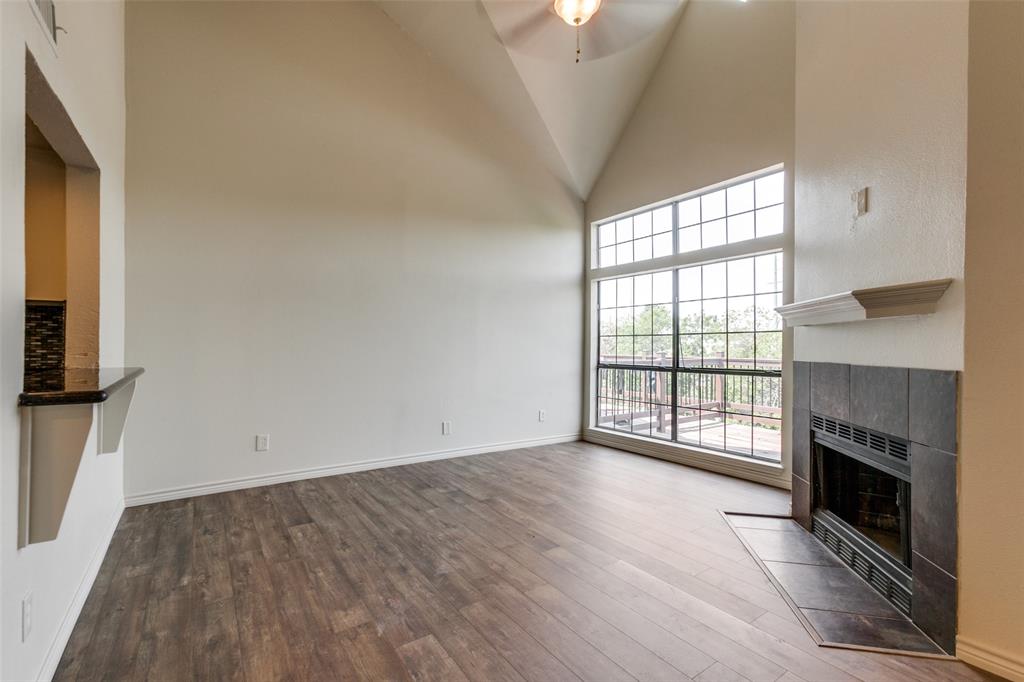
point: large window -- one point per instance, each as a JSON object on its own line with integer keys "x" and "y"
{"x": 693, "y": 353}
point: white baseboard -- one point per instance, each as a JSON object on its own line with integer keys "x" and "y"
{"x": 332, "y": 470}
{"x": 996, "y": 662}
{"x": 67, "y": 625}
{"x": 750, "y": 470}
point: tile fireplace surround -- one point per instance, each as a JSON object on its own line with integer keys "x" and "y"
{"x": 918, "y": 406}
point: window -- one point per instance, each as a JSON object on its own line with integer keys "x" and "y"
{"x": 692, "y": 354}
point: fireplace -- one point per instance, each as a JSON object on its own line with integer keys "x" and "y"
{"x": 861, "y": 499}
{"x": 874, "y": 478}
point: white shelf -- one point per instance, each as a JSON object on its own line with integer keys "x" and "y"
{"x": 897, "y": 300}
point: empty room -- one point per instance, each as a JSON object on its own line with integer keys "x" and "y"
{"x": 525, "y": 340}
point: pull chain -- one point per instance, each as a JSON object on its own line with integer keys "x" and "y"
{"x": 577, "y": 41}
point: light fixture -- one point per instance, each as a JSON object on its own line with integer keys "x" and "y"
{"x": 576, "y": 12}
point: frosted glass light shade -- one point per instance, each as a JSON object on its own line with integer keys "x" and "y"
{"x": 576, "y": 12}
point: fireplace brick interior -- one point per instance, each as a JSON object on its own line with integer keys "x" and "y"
{"x": 915, "y": 405}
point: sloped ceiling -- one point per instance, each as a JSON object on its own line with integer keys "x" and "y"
{"x": 524, "y": 66}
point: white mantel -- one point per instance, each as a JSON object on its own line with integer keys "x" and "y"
{"x": 914, "y": 298}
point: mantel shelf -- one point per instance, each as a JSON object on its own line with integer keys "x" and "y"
{"x": 897, "y": 300}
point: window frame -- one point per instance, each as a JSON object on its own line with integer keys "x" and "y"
{"x": 762, "y": 470}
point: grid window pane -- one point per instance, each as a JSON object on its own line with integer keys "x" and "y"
{"x": 689, "y": 212}
{"x": 662, "y": 245}
{"x": 741, "y": 314}
{"x": 662, "y": 219}
{"x": 689, "y": 239}
{"x": 643, "y": 249}
{"x": 690, "y": 316}
{"x": 707, "y": 333}
{"x": 713, "y": 233}
{"x": 712, "y": 206}
{"x": 741, "y": 227}
{"x": 662, "y": 319}
{"x": 642, "y": 225}
{"x": 740, "y": 198}
{"x": 689, "y": 284}
{"x": 770, "y": 189}
{"x": 661, "y": 287}
{"x": 624, "y": 230}
{"x": 769, "y": 221}
{"x": 638, "y": 401}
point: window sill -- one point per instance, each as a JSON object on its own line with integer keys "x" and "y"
{"x": 768, "y": 473}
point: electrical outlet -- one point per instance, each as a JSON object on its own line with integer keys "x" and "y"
{"x": 262, "y": 442}
{"x": 26, "y": 617}
{"x": 446, "y": 428}
{"x": 541, "y": 415}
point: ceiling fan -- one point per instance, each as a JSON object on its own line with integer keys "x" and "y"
{"x": 602, "y": 27}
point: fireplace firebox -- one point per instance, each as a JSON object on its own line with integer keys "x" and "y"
{"x": 861, "y": 500}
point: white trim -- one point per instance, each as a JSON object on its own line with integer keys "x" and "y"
{"x": 915, "y": 298}
{"x": 67, "y": 625}
{"x": 333, "y": 469}
{"x": 38, "y": 14}
{"x": 711, "y": 254}
{"x": 996, "y": 662}
{"x": 718, "y": 462}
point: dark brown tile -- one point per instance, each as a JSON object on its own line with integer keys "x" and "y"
{"x": 830, "y": 390}
{"x": 765, "y": 522}
{"x": 801, "y": 506}
{"x": 802, "y": 385}
{"x": 879, "y": 398}
{"x": 933, "y": 408}
{"x": 934, "y": 603}
{"x": 933, "y": 506}
{"x": 861, "y": 630}
{"x": 802, "y": 443}
{"x": 830, "y": 588}
{"x": 799, "y": 548}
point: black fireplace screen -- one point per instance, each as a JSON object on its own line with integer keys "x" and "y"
{"x": 871, "y": 501}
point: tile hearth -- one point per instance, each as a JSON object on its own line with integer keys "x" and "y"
{"x": 835, "y": 605}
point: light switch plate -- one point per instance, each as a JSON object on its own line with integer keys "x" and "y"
{"x": 26, "y": 617}
{"x": 860, "y": 202}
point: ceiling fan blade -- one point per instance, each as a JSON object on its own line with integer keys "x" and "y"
{"x": 527, "y": 28}
{"x": 622, "y": 23}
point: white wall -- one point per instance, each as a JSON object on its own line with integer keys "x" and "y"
{"x": 719, "y": 105}
{"x": 881, "y": 102}
{"x": 87, "y": 73}
{"x": 991, "y": 563}
{"x": 332, "y": 241}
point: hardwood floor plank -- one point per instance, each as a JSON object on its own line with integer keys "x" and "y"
{"x": 374, "y": 659}
{"x": 265, "y": 651}
{"x": 571, "y": 561}
{"x": 427, "y": 661}
{"x": 531, "y": 659}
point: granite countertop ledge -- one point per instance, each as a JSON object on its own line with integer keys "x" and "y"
{"x": 75, "y": 386}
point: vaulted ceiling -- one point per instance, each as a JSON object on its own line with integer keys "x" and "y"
{"x": 521, "y": 58}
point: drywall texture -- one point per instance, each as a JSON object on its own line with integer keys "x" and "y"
{"x": 720, "y": 104}
{"x": 991, "y": 562}
{"x": 331, "y": 241}
{"x": 86, "y": 71}
{"x": 881, "y": 102}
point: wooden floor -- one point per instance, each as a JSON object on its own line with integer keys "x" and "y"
{"x": 552, "y": 563}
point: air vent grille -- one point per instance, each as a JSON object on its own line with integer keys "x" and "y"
{"x": 863, "y": 566}
{"x": 863, "y": 437}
